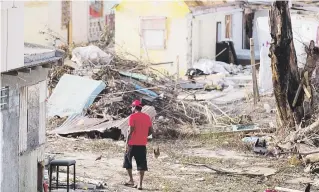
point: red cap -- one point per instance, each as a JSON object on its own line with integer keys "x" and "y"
{"x": 136, "y": 103}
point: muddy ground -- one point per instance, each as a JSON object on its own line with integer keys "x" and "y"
{"x": 172, "y": 170}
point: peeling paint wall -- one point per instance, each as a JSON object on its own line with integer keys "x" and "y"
{"x": 23, "y": 122}
{"x": 23, "y": 132}
{"x": 43, "y": 112}
{"x": 10, "y": 148}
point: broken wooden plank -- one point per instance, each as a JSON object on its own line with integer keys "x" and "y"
{"x": 298, "y": 92}
{"x": 308, "y": 94}
{"x": 286, "y": 189}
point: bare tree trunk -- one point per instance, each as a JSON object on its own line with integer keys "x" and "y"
{"x": 284, "y": 66}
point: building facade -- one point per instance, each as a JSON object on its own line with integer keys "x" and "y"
{"x": 70, "y": 21}
{"x": 24, "y": 69}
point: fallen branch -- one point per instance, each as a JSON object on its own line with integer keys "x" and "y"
{"x": 307, "y": 130}
{"x": 298, "y": 92}
{"x": 221, "y": 171}
{"x": 305, "y": 153}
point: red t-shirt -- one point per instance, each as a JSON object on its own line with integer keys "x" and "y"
{"x": 141, "y": 123}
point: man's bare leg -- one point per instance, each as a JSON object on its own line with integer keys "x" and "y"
{"x": 131, "y": 181}
{"x": 141, "y": 179}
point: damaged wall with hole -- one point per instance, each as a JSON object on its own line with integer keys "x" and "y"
{"x": 23, "y": 128}
{"x": 210, "y": 28}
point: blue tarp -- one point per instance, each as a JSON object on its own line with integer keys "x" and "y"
{"x": 72, "y": 95}
{"x": 144, "y": 91}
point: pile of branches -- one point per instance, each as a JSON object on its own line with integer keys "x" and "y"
{"x": 115, "y": 100}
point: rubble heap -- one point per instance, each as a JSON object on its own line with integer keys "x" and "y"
{"x": 127, "y": 80}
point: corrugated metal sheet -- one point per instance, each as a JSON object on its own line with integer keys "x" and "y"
{"x": 77, "y": 123}
{"x": 42, "y": 113}
{"x": 72, "y": 95}
{"x": 23, "y": 121}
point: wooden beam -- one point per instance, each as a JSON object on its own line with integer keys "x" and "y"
{"x": 47, "y": 65}
{"x": 13, "y": 73}
{"x": 228, "y": 9}
{"x": 24, "y": 70}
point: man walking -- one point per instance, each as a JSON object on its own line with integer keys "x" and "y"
{"x": 140, "y": 127}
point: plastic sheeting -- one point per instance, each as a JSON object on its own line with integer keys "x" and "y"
{"x": 264, "y": 38}
{"x": 210, "y": 67}
{"x": 72, "y": 95}
{"x": 90, "y": 55}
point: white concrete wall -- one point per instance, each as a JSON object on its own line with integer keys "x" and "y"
{"x": 260, "y": 13}
{"x": 80, "y": 18}
{"x": 12, "y": 42}
{"x": 80, "y": 21}
{"x": 237, "y": 30}
{"x": 304, "y": 30}
{"x": 36, "y": 19}
{"x": 204, "y": 33}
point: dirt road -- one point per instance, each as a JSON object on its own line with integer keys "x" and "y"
{"x": 171, "y": 172}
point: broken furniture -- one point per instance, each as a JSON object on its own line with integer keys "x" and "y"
{"x": 65, "y": 163}
{"x": 225, "y": 52}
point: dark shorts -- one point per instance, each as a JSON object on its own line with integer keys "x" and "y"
{"x": 139, "y": 154}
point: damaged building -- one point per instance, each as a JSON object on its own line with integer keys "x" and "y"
{"x": 24, "y": 70}
{"x": 184, "y": 32}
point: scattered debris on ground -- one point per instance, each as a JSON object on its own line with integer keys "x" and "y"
{"x": 214, "y": 97}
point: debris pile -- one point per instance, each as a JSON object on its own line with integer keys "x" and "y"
{"x": 127, "y": 80}
{"x": 211, "y": 67}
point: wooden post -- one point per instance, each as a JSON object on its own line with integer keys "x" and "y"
{"x": 177, "y": 67}
{"x": 177, "y": 71}
{"x": 254, "y": 74}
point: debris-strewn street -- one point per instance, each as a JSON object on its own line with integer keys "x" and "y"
{"x": 172, "y": 170}
{"x": 212, "y": 130}
{"x": 185, "y": 163}
{"x": 222, "y": 94}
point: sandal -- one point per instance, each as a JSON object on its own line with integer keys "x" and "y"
{"x": 128, "y": 184}
{"x": 138, "y": 188}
